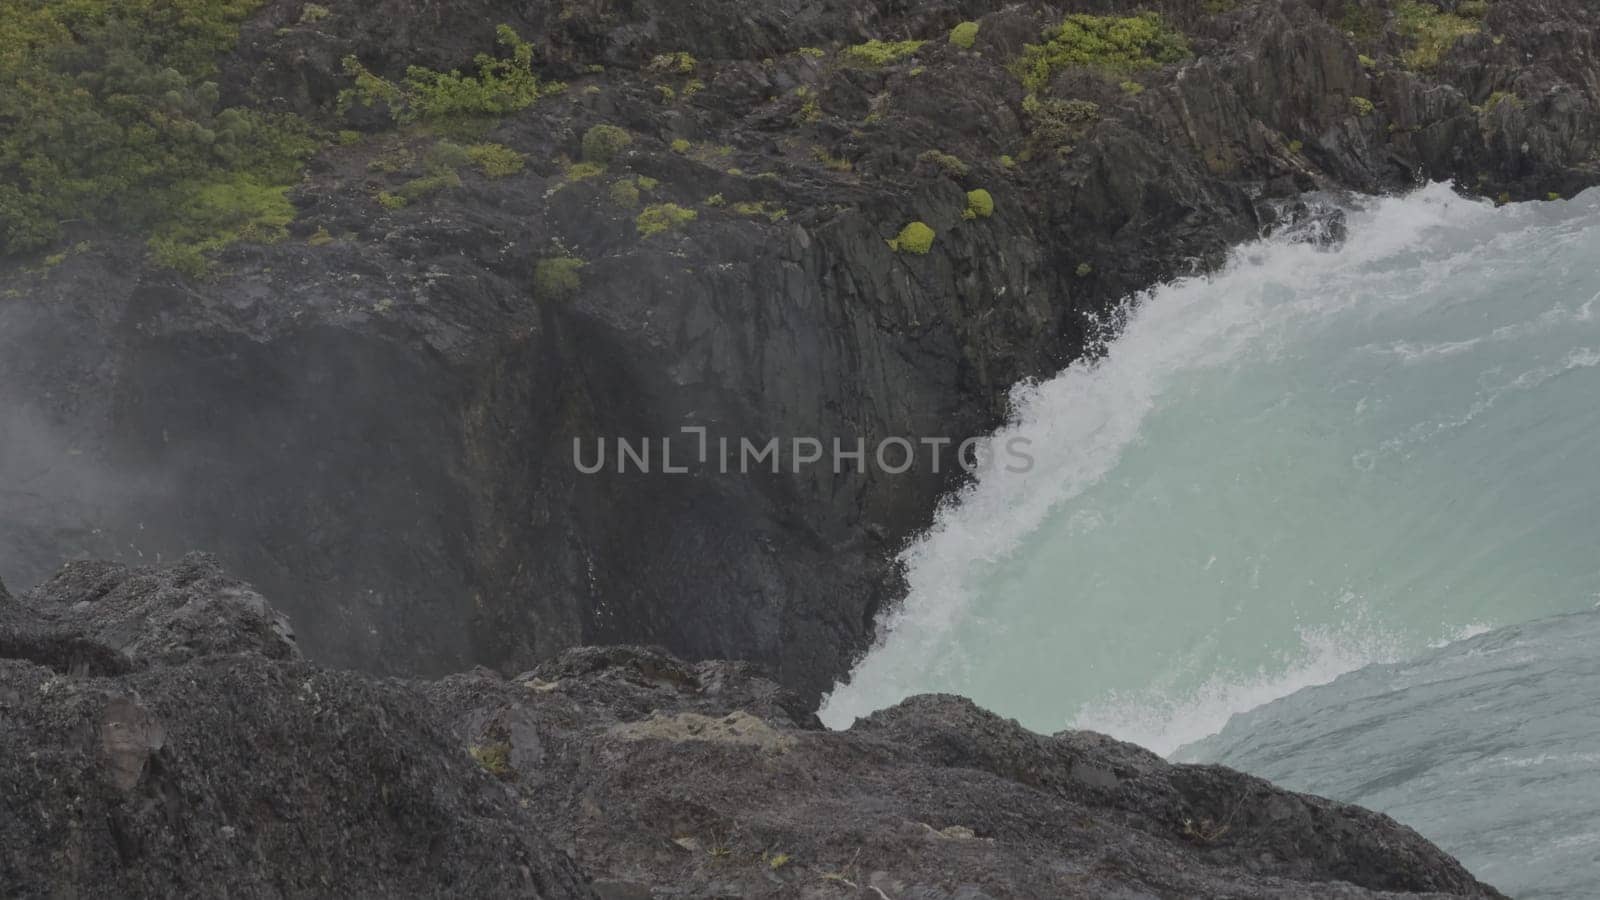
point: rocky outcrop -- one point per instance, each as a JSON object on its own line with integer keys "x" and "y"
{"x": 162, "y": 738}
{"x": 375, "y": 419}
{"x": 224, "y": 764}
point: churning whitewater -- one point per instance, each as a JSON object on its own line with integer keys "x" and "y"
{"x": 1313, "y": 460}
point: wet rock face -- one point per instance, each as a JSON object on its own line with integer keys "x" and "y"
{"x": 236, "y": 768}
{"x": 379, "y": 428}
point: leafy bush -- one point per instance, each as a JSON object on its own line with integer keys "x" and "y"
{"x": 877, "y": 53}
{"x": 502, "y": 85}
{"x": 964, "y": 35}
{"x": 914, "y": 238}
{"x": 1362, "y": 106}
{"x": 950, "y": 165}
{"x": 1118, "y": 44}
{"x": 556, "y": 278}
{"x": 625, "y": 194}
{"x": 580, "y": 171}
{"x": 659, "y": 217}
{"x": 771, "y": 211}
{"x": 1053, "y": 123}
{"x": 812, "y": 52}
{"x": 980, "y": 205}
{"x": 496, "y": 160}
{"x": 1430, "y": 31}
{"x": 109, "y": 114}
{"x": 602, "y": 143}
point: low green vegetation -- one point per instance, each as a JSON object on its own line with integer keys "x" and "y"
{"x": 980, "y": 205}
{"x": 1053, "y": 123}
{"x": 877, "y": 53}
{"x": 628, "y": 192}
{"x": 764, "y": 209}
{"x": 625, "y": 194}
{"x": 496, "y": 160}
{"x": 502, "y": 84}
{"x": 602, "y": 143}
{"x": 964, "y": 35}
{"x": 112, "y": 116}
{"x": 829, "y": 161}
{"x": 1430, "y": 31}
{"x": 557, "y": 278}
{"x": 584, "y": 170}
{"x": 946, "y": 163}
{"x": 678, "y": 63}
{"x": 812, "y": 52}
{"x": 1114, "y": 44}
{"x": 916, "y": 238}
{"x": 1362, "y": 106}
{"x": 810, "y": 107}
{"x": 494, "y": 758}
{"x": 662, "y": 217}
{"x": 1362, "y": 22}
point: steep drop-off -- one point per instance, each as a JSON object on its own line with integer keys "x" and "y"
{"x": 164, "y": 738}
{"x": 373, "y": 418}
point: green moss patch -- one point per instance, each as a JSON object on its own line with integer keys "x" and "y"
{"x": 557, "y": 278}
{"x": 1115, "y": 44}
{"x": 964, "y": 35}
{"x": 602, "y": 143}
{"x": 916, "y": 238}
{"x": 980, "y": 205}
{"x": 658, "y": 218}
{"x": 501, "y": 85}
{"x": 1430, "y": 31}
{"x": 876, "y": 53}
{"x": 496, "y": 160}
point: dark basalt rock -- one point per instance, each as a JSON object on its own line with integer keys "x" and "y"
{"x": 197, "y": 755}
{"x": 379, "y": 428}
{"x": 234, "y": 768}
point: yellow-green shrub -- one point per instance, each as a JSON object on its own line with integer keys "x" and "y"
{"x": 950, "y": 165}
{"x": 914, "y": 238}
{"x": 881, "y": 53}
{"x": 1118, "y": 44}
{"x": 556, "y": 278}
{"x": 602, "y": 143}
{"x": 501, "y": 85}
{"x": 496, "y": 160}
{"x": 659, "y": 217}
{"x": 964, "y": 35}
{"x": 1431, "y": 32}
{"x": 980, "y": 205}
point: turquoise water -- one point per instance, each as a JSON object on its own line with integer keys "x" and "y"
{"x": 1490, "y": 747}
{"x": 1312, "y": 461}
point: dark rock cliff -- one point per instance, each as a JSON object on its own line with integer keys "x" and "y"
{"x": 163, "y": 738}
{"x": 375, "y": 418}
